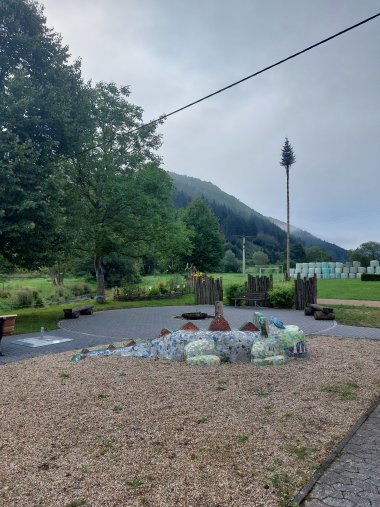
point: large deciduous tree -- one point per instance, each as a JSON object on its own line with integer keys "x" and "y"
{"x": 287, "y": 160}
{"x": 42, "y": 116}
{"x": 208, "y": 241}
{"x": 120, "y": 197}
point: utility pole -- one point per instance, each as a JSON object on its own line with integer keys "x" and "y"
{"x": 243, "y": 255}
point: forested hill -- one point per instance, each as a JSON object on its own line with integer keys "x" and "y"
{"x": 308, "y": 239}
{"x": 238, "y": 219}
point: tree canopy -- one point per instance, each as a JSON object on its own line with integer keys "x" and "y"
{"x": 207, "y": 239}
{"x": 42, "y": 115}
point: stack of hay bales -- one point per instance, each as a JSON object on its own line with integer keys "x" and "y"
{"x": 351, "y": 269}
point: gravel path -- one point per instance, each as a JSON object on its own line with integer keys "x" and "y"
{"x": 114, "y": 431}
{"x": 351, "y": 480}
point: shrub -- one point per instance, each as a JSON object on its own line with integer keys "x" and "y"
{"x": 235, "y": 290}
{"x": 282, "y": 296}
{"x": 23, "y": 298}
{"x": 368, "y": 277}
{"x": 78, "y": 289}
{"x": 27, "y": 297}
{"x": 4, "y": 294}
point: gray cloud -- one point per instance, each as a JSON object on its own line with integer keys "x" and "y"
{"x": 327, "y": 101}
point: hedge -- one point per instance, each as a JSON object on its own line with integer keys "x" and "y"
{"x": 369, "y": 277}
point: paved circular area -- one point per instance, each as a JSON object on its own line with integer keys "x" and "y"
{"x": 147, "y": 323}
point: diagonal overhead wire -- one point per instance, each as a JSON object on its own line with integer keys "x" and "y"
{"x": 261, "y": 71}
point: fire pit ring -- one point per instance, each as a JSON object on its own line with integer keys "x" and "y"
{"x": 195, "y": 316}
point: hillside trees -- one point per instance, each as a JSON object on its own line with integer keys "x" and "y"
{"x": 42, "y": 115}
{"x": 366, "y": 252}
{"x": 207, "y": 239}
{"x": 317, "y": 254}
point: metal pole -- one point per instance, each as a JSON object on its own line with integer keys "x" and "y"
{"x": 243, "y": 255}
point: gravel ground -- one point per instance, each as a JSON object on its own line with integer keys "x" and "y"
{"x": 142, "y": 432}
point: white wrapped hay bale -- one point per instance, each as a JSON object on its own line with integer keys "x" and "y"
{"x": 318, "y": 264}
{"x": 339, "y": 264}
{"x": 318, "y": 275}
{"x": 354, "y": 270}
{"x": 356, "y": 264}
{"x": 359, "y": 275}
{"x": 374, "y": 264}
{"x": 209, "y": 360}
{"x": 332, "y": 275}
{"x": 311, "y": 265}
{"x": 338, "y": 275}
{"x": 205, "y": 347}
{"x": 344, "y": 275}
{"x": 332, "y": 265}
{"x": 377, "y": 270}
{"x": 311, "y": 271}
{"x": 318, "y": 270}
{"x": 371, "y": 270}
{"x": 346, "y": 269}
{"x": 352, "y": 275}
{"x": 305, "y": 265}
{"x": 362, "y": 270}
{"x": 298, "y": 266}
{"x": 338, "y": 270}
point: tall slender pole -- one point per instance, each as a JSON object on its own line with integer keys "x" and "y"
{"x": 243, "y": 255}
{"x": 288, "y": 226}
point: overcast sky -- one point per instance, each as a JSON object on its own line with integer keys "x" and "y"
{"x": 326, "y": 101}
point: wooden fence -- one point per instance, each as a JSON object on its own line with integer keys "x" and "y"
{"x": 207, "y": 290}
{"x": 259, "y": 283}
{"x": 306, "y": 291}
{"x": 258, "y": 286}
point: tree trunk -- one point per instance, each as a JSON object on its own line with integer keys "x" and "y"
{"x": 57, "y": 275}
{"x": 287, "y": 226}
{"x": 100, "y": 290}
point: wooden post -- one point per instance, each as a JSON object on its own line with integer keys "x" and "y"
{"x": 218, "y": 308}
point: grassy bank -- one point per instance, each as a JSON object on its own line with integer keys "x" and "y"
{"x": 357, "y": 315}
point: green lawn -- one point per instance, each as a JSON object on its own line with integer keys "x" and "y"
{"x": 357, "y": 315}
{"x": 349, "y": 289}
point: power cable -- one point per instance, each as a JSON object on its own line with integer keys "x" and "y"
{"x": 265, "y": 69}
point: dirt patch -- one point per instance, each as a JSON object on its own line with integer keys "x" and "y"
{"x": 119, "y": 431}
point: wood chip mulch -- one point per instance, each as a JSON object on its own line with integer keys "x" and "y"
{"x": 114, "y": 431}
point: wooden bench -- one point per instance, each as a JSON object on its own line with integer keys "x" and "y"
{"x": 7, "y": 326}
{"x": 254, "y": 297}
{"x": 73, "y": 313}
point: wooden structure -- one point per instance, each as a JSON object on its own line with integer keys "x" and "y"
{"x": 257, "y": 291}
{"x": 320, "y": 312}
{"x": 7, "y": 326}
{"x": 306, "y": 291}
{"x": 73, "y": 313}
{"x": 207, "y": 290}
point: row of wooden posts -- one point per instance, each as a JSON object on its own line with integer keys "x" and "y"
{"x": 208, "y": 290}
